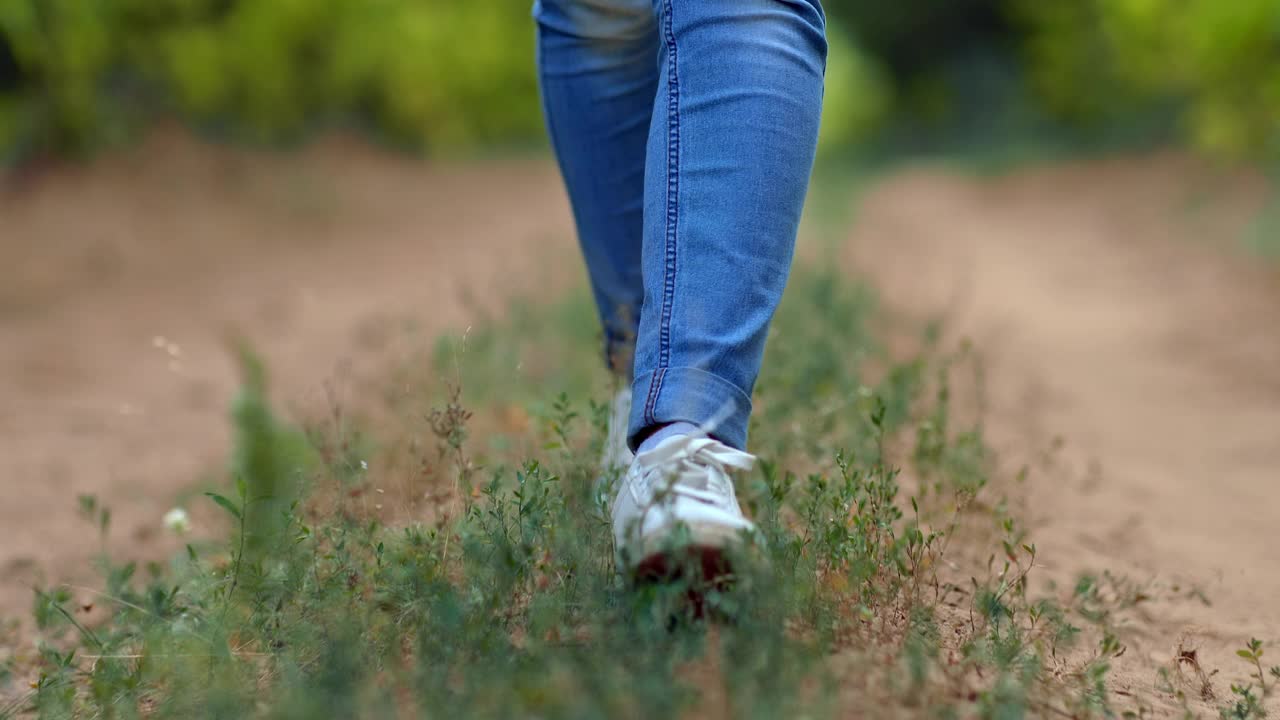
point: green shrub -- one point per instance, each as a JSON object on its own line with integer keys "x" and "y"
{"x": 432, "y": 75}
{"x": 858, "y": 98}
{"x": 890, "y": 582}
{"x": 441, "y": 74}
{"x": 913, "y": 38}
{"x": 64, "y": 47}
{"x": 1215, "y": 62}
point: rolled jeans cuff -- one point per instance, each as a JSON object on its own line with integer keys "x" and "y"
{"x": 685, "y": 394}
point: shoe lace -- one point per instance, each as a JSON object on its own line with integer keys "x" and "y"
{"x": 697, "y": 467}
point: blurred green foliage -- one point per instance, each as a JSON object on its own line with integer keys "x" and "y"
{"x": 1215, "y": 63}
{"x": 444, "y": 74}
{"x": 430, "y": 74}
{"x": 1209, "y": 68}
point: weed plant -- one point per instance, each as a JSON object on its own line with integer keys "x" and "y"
{"x": 891, "y": 580}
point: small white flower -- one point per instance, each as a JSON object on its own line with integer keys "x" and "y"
{"x": 364, "y": 465}
{"x": 177, "y": 521}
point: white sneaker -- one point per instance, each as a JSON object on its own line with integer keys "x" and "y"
{"x": 681, "y": 486}
{"x": 617, "y": 455}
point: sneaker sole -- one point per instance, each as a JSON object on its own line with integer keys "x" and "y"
{"x": 704, "y": 552}
{"x": 709, "y": 566}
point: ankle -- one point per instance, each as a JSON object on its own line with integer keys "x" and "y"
{"x": 662, "y": 432}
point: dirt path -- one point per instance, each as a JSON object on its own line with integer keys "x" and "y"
{"x": 324, "y": 262}
{"x": 1156, "y": 359}
{"x": 1109, "y": 314}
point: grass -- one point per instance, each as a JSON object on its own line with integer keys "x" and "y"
{"x": 1263, "y": 237}
{"x": 893, "y": 581}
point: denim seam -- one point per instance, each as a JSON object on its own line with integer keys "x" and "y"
{"x": 673, "y": 200}
{"x": 651, "y": 402}
{"x": 673, "y": 185}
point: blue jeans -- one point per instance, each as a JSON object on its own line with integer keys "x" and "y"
{"x": 685, "y": 131}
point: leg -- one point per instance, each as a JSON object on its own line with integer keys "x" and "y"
{"x": 730, "y": 149}
{"x": 598, "y": 66}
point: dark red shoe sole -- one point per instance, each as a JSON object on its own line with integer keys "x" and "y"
{"x": 702, "y": 569}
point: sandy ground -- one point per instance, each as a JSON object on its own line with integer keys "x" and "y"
{"x": 126, "y": 280}
{"x": 1102, "y": 320}
{"x": 1118, "y": 322}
